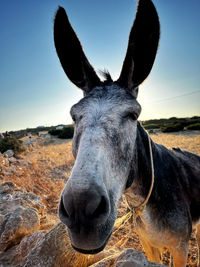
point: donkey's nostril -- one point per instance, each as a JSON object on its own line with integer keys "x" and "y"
{"x": 62, "y": 211}
{"x": 100, "y": 209}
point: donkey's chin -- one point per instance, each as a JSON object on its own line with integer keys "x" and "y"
{"x": 91, "y": 241}
{"x": 92, "y": 251}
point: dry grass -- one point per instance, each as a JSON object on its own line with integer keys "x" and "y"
{"x": 189, "y": 141}
{"x": 45, "y": 176}
{"x": 50, "y": 167}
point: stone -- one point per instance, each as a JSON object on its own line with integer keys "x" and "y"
{"x": 20, "y": 222}
{"x": 1, "y": 218}
{"x": 17, "y": 219}
{"x": 50, "y": 250}
{"x": 55, "y": 250}
{"x": 9, "y": 153}
{"x": 12, "y": 160}
{"x": 23, "y": 163}
{"x": 4, "y": 198}
{"x": 9, "y": 170}
{"x": 7, "y": 187}
{"x": 8, "y": 205}
{"x": 17, "y": 253}
{"x": 133, "y": 258}
{"x": 30, "y": 199}
{"x": 126, "y": 258}
{"x": 4, "y": 160}
{"x": 51, "y": 247}
{"x": 29, "y": 141}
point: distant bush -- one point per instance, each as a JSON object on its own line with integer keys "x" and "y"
{"x": 194, "y": 126}
{"x": 55, "y": 132}
{"x": 151, "y": 126}
{"x": 66, "y": 132}
{"x": 195, "y": 120}
{"x": 11, "y": 143}
{"x": 172, "y": 127}
{"x": 173, "y": 119}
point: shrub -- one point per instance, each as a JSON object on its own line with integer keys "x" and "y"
{"x": 173, "y": 119}
{"x": 66, "y": 132}
{"x": 167, "y": 128}
{"x": 11, "y": 143}
{"x": 151, "y": 126}
{"x": 194, "y": 126}
{"x": 55, "y": 132}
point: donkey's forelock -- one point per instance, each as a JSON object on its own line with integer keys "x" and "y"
{"x": 106, "y": 75}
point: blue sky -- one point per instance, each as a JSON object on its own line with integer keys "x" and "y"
{"x": 33, "y": 87}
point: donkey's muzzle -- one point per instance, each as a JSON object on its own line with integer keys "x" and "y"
{"x": 86, "y": 211}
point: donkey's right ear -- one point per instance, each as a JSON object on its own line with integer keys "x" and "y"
{"x": 71, "y": 55}
{"x": 142, "y": 47}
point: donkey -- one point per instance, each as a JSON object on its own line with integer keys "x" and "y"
{"x": 112, "y": 151}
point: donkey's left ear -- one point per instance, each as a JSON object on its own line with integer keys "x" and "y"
{"x": 142, "y": 47}
{"x": 71, "y": 55}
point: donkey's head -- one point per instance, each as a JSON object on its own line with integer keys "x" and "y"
{"x": 105, "y": 128}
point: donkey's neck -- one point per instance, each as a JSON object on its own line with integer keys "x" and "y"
{"x": 139, "y": 180}
{"x": 144, "y": 171}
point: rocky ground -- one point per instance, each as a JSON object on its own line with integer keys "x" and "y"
{"x": 30, "y": 232}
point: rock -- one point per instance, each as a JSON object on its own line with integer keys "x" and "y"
{"x": 133, "y": 258}
{"x": 8, "y": 205}
{"x": 28, "y": 243}
{"x": 29, "y": 141}
{"x": 17, "y": 218}
{"x": 9, "y": 170}
{"x": 23, "y": 163}
{"x": 9, "y": 153}
{"x": 108, "y": 257}
{"x": 3, "y": 198}
{"x": 7, "y": 187}
{"x": 19, "y": 222}
{"x": 55, "y": 250}
{"x": 22, "y": 221}
{"x": 51, "y": 249}
{"x": 30, "y": 199}
{"x": 47, "y": 137}
{"x": 1, "y": 218}
{"x": 15, "y": 255}
{"x": 4, "y": 161}
{"x": 126, "y": 258}
{"x": 12, "y": 160}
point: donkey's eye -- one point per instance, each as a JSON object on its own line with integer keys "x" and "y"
{"x": 73, "y": 118}
{"x": 76, "y": 118}
{"x": 131, "y": 115}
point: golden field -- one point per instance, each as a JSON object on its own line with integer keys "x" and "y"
{"x": 50, "y": 166}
